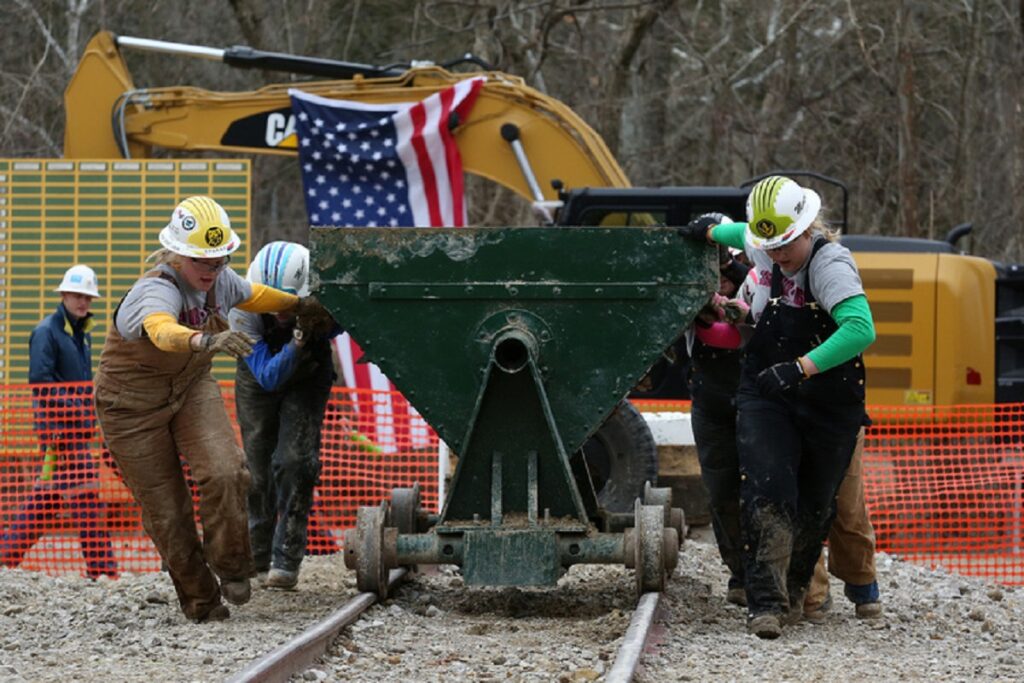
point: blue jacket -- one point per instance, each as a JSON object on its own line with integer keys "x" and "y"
{"x": 61, "y": 351}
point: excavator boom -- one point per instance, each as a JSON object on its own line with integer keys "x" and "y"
{"x": 107, "y": 117}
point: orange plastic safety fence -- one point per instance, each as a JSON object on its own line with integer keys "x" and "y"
{"x": 64, "y": 508}
{"x": 944, "y": 484}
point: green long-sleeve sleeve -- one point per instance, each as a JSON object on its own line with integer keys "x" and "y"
{"x": 856, "y": 332}
{"x": 730, "y": 234}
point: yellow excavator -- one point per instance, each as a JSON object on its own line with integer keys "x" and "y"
{"x": 950, "y": 326}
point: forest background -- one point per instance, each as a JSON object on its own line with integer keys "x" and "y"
{"x": 918, "y": 105}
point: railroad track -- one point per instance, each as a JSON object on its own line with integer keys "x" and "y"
{"x": 300, "y": 653}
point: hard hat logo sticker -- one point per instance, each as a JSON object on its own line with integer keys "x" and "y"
{"x": 188, "y": 223}
{"x": 214, "y": 236}
{"x": 765, "y": 228}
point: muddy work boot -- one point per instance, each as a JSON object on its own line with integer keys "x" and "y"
{"x": 816, "y": 614}
{"x": 281, "y": 579}
{"x": 218, "y": 613}
{"x": 736, "y": 594}
{"x": 865, "y": 599}
{"x": 766, "y": 626}
{"x": 236, "y": 592}
{"x": 796, "y": 607}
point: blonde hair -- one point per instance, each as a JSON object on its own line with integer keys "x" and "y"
{"x": 162, "y": 255}
{"x": 820, "y": 227}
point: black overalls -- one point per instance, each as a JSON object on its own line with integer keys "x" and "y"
{"x": 715, "y": 374}
{"x": 794, "y": 449}
{"x": 281, "y": 433}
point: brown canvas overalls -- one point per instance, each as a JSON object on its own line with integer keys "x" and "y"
{"x": 153, "y": 405}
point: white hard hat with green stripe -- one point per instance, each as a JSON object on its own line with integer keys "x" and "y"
{"x": 779, "y": 211}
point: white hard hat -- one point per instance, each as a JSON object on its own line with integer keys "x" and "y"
{"x": 79, "y": 280}
{"x": 200, "y": 228}
{"x": 281, "y": 265}
{"x": 779, "y": 211}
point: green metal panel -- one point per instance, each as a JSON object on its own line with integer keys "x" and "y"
{"x": 426, "y": 304}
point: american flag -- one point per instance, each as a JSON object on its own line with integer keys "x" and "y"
{"x": 380, "y": 165}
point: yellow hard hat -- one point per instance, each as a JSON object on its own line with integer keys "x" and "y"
{"x": 779, "y": 211}
{"x": 200, "y": 228}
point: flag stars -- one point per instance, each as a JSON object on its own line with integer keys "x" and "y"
{"x": 336, "y": 216}
{"x": 356, "y": 189}
{"x": 320, "y": 180}
{"x": 376, "y": 156}
{"x": 369, "y": 200}
{"x": 303, "y": 116}
{"x": 305, "y": 142}
{"x": 340, "y": 126}
{"x": 346, "y": 203}
{"x": 388, "y": 142}
{"x": 323, "y": 205}
{"x": 333, "y": 191}
{"x": 365, "y": 146}
{"x": 311, "y": 192}
{"x": 318, "y": 122}
{"x": 317, "y": 156}
{"x": 360, "y": 214}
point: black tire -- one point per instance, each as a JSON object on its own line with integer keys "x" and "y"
{"x": 621, "y": 456}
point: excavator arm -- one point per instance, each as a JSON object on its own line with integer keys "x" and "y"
{"x": 107, "y": 117}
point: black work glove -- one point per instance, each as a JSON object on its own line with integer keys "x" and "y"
{"x": 312, "y": 318}
{"x": 779, "y": 377}
{"x": 698, "y": 228}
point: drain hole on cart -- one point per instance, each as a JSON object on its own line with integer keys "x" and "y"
{"x": 511, "y": 354}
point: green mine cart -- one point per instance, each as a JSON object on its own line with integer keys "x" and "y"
{"x": 514, "y": 344}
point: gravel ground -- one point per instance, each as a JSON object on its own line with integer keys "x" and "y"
{"x": 131, "y": 629}
{"x": 937, "y": 627}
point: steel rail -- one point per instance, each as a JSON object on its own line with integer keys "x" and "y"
{"x": 301, "y": 651}
{"x": 636, "y": 637}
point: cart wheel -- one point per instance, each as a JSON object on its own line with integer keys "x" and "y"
{"x": 675, "y": 518}
{"x": 649, "y": 562}
{"x": 405, "y": 509}
{"x": 371, "y": 572}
